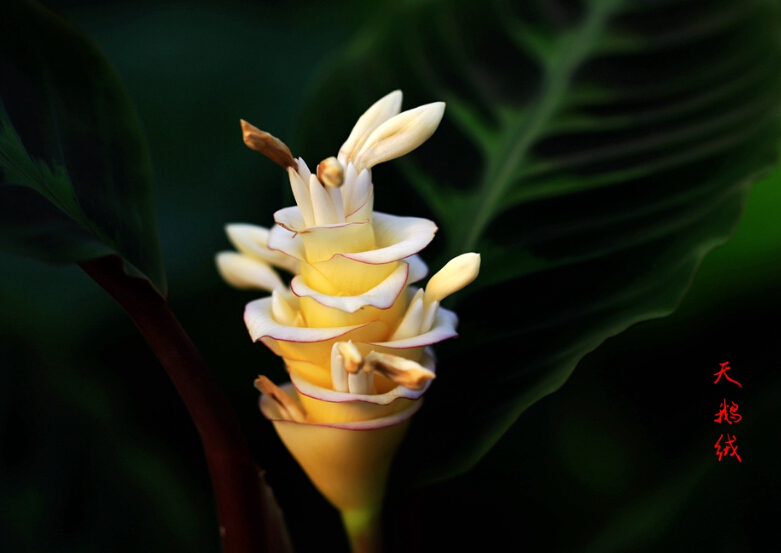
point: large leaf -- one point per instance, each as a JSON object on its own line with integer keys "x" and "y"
{"x": 75, "y": 176}
{"x": 592, "y": 152}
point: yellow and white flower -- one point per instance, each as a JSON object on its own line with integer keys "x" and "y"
{"x": 354, "y": 333}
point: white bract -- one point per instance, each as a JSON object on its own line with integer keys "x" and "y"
{"x": 354, "y": 333}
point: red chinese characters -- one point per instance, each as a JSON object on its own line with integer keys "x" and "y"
{"x": 723, "y": 372}
{"x": 723, "y": 451}
{"x": 727, "y": 413}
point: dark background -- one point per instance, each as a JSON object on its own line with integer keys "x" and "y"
{"x": 97, "y": 452}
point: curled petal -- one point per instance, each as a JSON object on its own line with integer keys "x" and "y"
{"x": 247, "y": 273}
{"x": 399, "y": 135}
{"x": 457, "y": 273}
{"x": 382, "y": 110}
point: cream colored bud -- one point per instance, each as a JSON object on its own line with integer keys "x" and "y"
{"x": 399, "y": 135}
{"x": 457, "y": 273}
{"x": 404, "y": 372}
{"x": 268, "y": 145}
{"x": 330, "y": 172}
{"x": 382, "y": 110}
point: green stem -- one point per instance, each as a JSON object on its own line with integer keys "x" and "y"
{"x": 250, "y": 521}
{"x": 363, "y": 529}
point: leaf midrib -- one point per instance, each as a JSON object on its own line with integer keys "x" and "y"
{"x": 514, "y": 145}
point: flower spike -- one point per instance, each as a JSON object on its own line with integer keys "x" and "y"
{"x": 354, "y": 333}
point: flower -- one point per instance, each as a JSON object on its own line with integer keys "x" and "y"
{"x": 354, "y": 334}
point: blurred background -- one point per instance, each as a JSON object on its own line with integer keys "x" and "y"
{"x": 97, "y": 452}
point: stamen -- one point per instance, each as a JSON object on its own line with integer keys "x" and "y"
{"x": 404, "y": 372}
{"x": 361, "y": 383}
{"x": 351, "y": 356}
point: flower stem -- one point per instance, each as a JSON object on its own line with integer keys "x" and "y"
{"x": 363, "y": 529}
{"x": 249, "y": 518}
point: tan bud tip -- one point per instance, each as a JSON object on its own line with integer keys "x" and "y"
{"x": 268, "y": 145}
{"x": 330, "y": 172}
{"x": 457, "y": 273}
{"x": 404, "y": 372}
{"x": 287, "y": 407}
{"x": 351, "y": 357}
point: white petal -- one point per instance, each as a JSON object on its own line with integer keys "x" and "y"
{"x": 430, "y": 311}
{"x": 399, "y": 135}
{"x": 323, "y": 207}
{"x": 363, "y": 212}
{"x": 382, "y": 110}
{"x": 410, "y": 324}
{"x": 303, "y": 170}
{"x": 301, "y": 193}
{"x": 336, "y": 199}
{"x": 457, "y": 273}
{"x": 356, "y": 189}
{"x": 247, "y": 273}
{"x": 281, "y": 310}
{"x": 381, "y": 296}
{"x": 253, "y": 241}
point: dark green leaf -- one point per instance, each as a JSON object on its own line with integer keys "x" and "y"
{"x": 593, "y": 152}
{"x": 75, "y": 176}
